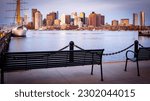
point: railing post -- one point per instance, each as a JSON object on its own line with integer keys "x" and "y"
{"x": 71, "y": 48}
{"x": 136, "y": 44}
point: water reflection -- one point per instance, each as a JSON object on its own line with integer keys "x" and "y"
{"x": 111, "y": 41}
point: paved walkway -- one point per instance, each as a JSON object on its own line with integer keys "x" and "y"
{"x": 113, "y": 74}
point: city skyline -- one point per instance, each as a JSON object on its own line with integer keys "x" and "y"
{"x": 112, "y": 9}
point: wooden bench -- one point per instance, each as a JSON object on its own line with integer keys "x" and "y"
{"x": 50, "y": 59}
{"x": 142, "y": 54}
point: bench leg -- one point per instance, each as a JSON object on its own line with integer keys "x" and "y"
{"x": 138, "y": 71}
{"x": 92, "y": 70}
{"x": 101, "y": 72}
{"x": 126, "y": 65}
{"x": 2, "y": 76}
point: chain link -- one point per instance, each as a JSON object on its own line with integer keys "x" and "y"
{"x": 64, "y": 48}
{"x": 114, "y": 53}
{"x": 105, "y": 54}
{"x": 78, "y": 47}
{"x": 141, "y": 45}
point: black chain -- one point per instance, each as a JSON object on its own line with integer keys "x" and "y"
{"x": 78, "y": 47}
{"x": 64, "y": 48}
{"x": 141, "y": 45}
{"x": 107, "y": 54}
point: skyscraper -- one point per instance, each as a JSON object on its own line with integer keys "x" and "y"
{"x": 115, "y": 22}
{"x": 68, "y": 19}
{"x": 25, "y": 20}
{"x": 98, "y": 20}
{"x": 82, "y": 16}
{"x": 33, "y": 16}
{"x": 135, "y": 19}
{"x": 57, "y": 15}
{"x": 38, "y": 20}
{"x": 102, "y": 20}
{"x": 142, "y": 18}
{"x": 50, "y": 18}
{"x": 65, "y": 19}
{"x": 92, "y": 19}
{"x": 124, "y": 22}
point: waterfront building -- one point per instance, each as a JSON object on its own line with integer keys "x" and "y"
{"x": 63, "y": 19}
{"x": 92, "y": 19}
{"x": 80, "y": 23}
{"x": 74, "y": 18}
{"x": 68, "y": 19}
{"x": 25, "y": 20}
{"x": 38, "y": 20}
{"x": 135, "y": 19}
{"x": 57, "y": 22}
{"x": 86, "y": 21}
{"x": 124, "y": 22}
{"x": 82, "y": 16}
{"x": 33, "y": 16}
{"x": 50, "y": 18}
{"x": 142, "y": 18}
{"x": 98, "y": 19}
{"x": 102, "y": 20}
{"x": 115, "y": 22}
{"x": 57, "y": 15}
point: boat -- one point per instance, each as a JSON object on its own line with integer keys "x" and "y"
{"x": 19, "y": 31}
{"x": 144, "y": 33}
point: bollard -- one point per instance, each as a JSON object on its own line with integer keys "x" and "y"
{"x": 71, "y": 48}
{"x": 136, "y": 44}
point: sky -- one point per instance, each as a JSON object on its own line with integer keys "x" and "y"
{"x": 112, "y": 9}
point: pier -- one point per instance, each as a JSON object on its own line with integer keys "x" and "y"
{"x": 113, "y": 71}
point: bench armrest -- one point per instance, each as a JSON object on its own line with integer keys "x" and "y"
{"x": 130, "y": 51}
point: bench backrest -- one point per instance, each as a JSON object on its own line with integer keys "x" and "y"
{"x": 47, "y": 59}
{"x": 144, "y": 53}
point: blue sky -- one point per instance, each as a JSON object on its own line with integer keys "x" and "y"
{"x": 112, "y": 9}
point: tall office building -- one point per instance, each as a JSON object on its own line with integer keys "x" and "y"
{"x": 98, "y": 20}
{"x": 142, "y": 18}
{"x": 74, "y": 17}
{"x": 25, "y": 19}
{"x": 38, "y": 20}
{"x": 86, "y": 21}
{"x": 82, "y": 16}
{"x": 102, "y": 20}
{"x": 50, "y": 18}
{"x": 33, "y": 16}
{"x": 135, "y": 19}
{"x": 65, "y": 19}
{"x": 115, "y": 22}
{"x": 68, "y": 19}
{"x": 57, "y": 15}
{"x": 124, "y": 22}
{"x": 92, "y": 19}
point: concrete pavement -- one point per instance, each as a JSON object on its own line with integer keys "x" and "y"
{"x": 113, "y": 74}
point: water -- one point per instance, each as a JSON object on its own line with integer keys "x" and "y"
{"x": 111, "y": 41}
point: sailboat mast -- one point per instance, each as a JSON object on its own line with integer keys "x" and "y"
{"x": 18, "y": 18}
